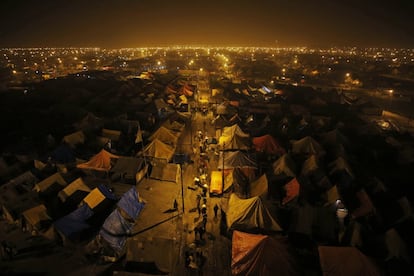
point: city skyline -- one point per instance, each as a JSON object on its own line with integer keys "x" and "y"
{"x": 134, "y": 23}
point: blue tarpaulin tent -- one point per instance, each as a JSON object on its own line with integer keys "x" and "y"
{"x": 120, "y": 222}
{"x": 94, "y": 205}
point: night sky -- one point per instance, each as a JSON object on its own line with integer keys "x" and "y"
{"x": 137, "y": 23}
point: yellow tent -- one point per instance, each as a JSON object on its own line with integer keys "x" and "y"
{"x": 49, "y": 181}
{"x": 76, "y": 185}
{"x": 35, "y": 216}
{"x": 216, "y": 183}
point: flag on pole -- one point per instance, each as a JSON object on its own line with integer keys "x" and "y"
{"x": 138, "y": 137}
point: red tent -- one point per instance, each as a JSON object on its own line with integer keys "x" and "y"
{"x": 268, "y": 144}
{"x": 261, "y": 255}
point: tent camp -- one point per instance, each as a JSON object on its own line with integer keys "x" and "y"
{"x": 250, "y": 215}
{"x": 158, "y": 149}
{"x": 268, "y": 144}
{"x": 99, "y": 162}
{"x": 216, "y": 182}
{"x": 253, "y": 254}
{"x": 337, "y": 260}
{"x": 165, "y": 135}
{"x": 233, "y": 138}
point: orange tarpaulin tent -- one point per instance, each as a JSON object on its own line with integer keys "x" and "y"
{"x": 292, "y": 190}
{"x": 99, "y": 162}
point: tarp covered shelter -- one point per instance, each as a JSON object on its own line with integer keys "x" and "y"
{"x": 284, "y": 166}
{"x": 74, "y": 139}
{"x": 307, "y": 146}
{"x": 338, "y": 261}
{"x": 250, "y": 215}
{"x": 233, "y": 138}
{"x": 236, "y": 159}
{"x": 47, "y": 184}
{"x": 261, "y": 255}
{"x": 119, "y": 224}
{"x": 36, "y": 218}
{"x": 267, "y": 144}
{"x": 166, "y": 172}
{"x": 78, "y": 185}
{"x": 165, "y": 135}
{"x": 158, "y": 149}
{"x": 97, "y": 203}
{"x": 99, "y": 162}
{"x": 216, "y": 182}
{"x": 127, "y": 167}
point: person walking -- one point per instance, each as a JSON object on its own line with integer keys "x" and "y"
{"x": 215, "y": 208}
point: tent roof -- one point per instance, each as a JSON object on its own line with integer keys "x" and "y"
{"x": 340, "y": 165}
{"x": 127, "y": 166}
{"x": 284, "y": 165}
{"x": 166, "y": 172}
{"x": 36, "y": 215}
{"x": 236, "y": 159}
{"x": 337, "y": 260}
{"x": 292, "y": 189}
{"x": 158, "y": 149}
{"x": 165, "y": 135}
{"x": 49, "y": 181}
{"x": 261, "y": 255}
{"x": 307, "y": 145}
{"x": 131, "y": 203}
{"x": 74, "y": 139}
{"x": 74, "y": 186}
{"x": 97, "y": 195}
{"x": 267, "y": 144}
{"x": 100, "y": 162}
{"x": 310, "y": 165}
{"x": 249, "y": 214}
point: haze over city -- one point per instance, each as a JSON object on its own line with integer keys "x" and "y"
{"x": 270, "y": 23}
